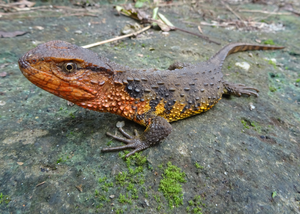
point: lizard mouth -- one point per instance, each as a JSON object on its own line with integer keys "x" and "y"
{"x": 45, "y": 79}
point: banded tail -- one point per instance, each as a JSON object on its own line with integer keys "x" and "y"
{"x": 239, "y": 47}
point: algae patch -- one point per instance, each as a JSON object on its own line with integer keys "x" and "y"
{"x": 268, "y": 42}
{"x": 255, "y": 125}
{"x": 27, "y": 136}
{"x": 4, "y": 198}
{"x": 198, "y": 166}
{"x": 195, "y": 205}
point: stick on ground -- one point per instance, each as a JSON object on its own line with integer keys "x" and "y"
{"x": 117, "y": 38}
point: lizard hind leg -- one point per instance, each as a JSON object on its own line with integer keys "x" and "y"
{"x": 239, "y": 89}
{"x": 158, "y": 129}
{"x": 178, "y": 65}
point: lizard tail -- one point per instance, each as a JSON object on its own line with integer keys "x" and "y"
{"x": 238, "y": 47}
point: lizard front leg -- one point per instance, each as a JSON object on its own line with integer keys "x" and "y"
{"x": 157, "y": 130}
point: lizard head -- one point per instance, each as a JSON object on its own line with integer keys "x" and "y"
{"x": 68, "y": 71}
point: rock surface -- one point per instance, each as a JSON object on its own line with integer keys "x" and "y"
{"x": 248, "y": 161}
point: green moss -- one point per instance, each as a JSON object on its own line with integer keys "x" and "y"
{"x": 298, "y": 80}
{"x": 142, "y": 180}
{"x": 59, "y": 160}
{"x": 159, "y": 207}
{"x": 4, "y": 198}
{"x": 140, "y": 160}
{"x": 109, "y": 143}
{"x": 256, "y": 126}
{"x": 128, "y": 180}
{"x": 99, "y": 206}
{"x": 157, "y": 198}
{"x": 111, "y": 184}
{"x": 103, "y": 198}
{"x": 122, "y": 199}
{"x": 121, "y": 177}
{"x": 245, "y": 124}
{"x": 271, "y": 62}
{"x": 130, "y": 187}
{"x": 272, "y": 88}
{"x": 268, "y": 42}
{"x": 119, "y": 211}
{"x": 274, "y": 194}
{"x": 198, "y": 166}
{"x": 170, "y": 185}
{"x": 105, "y": 189}
{"x": 196, "y": 205}
{"x": 102, "y": 179}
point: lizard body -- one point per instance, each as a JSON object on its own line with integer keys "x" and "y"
{"x": 150, "y": 97}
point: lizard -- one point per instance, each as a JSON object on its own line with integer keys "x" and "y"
{"x": 150, "y": 97}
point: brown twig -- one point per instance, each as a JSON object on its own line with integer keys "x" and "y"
{"x": 265, "y": 12}
{"x": 229, "y": 8}
{"x": 292, "y": 11}
{"x": 41, "y": 183}
{"x": 174, "y": 4}
{"x": 79, "y": 14}
{"x": 186, "y": 31}
{"x": 117, "y": 38}
{"x": 196, "y": 34}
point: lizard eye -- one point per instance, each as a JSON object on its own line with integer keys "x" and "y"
{"x": 70, "y": 67}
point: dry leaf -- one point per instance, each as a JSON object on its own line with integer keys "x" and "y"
{"x": 20, "y": 163}
{"x": 79, "y": 187}
{"x": 4, "y": 65}
{"x": 3, "y": 74}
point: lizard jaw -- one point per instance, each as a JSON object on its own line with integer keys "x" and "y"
{"x": 72, "y": 90}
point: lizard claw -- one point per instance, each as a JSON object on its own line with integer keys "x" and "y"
{"x": 132, "y": 143}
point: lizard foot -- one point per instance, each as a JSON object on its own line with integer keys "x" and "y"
{"x": 240, "y": 89}
{"x": 157, "y": 130}
{"x": 133, "y": 142}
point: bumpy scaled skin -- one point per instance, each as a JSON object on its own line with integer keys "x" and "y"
{"x": 150, "y": 97}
